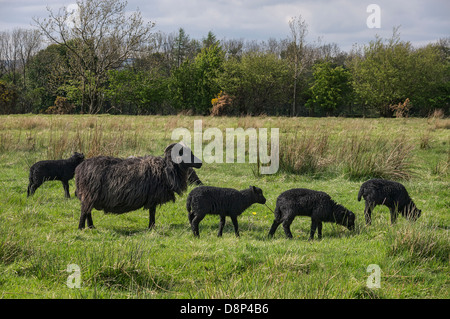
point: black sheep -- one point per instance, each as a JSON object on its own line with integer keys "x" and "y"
{"x": 193, "y": 178}
{"x": 122, "y": 185}
{"x": 224, "y": 202}
{"x": 62, "y": 170}
{"x": 391, "y": 194}
{"x": 305, "y": 202}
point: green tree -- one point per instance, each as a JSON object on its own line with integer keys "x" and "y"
{"x": 260, "y": 83}
{"x": 331, "y": 88}
{"x": 194, "y": 83}
{"x": 8, "y": 97}
{"x": 99, "y": 36}
{"x": 48, "y": 72}
{"x": 181, "y": 47}
{"x": 136, "y": 92}
{"x": 431, "y": 79}
{"x": 388, "y": 72}
{"x": 380, "y": 75}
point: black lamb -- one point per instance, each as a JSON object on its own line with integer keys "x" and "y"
{"x": 122, "y": 185}
{"x": 305, "y": 202}
{"x": 391, "y": 194}
{"x": 62, "y": 170}
{"x": 224, "y": 202}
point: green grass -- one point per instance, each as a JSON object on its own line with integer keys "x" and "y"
{"x": 122, "y": 259}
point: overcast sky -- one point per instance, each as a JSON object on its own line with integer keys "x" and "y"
{"x": 339, "y": 21}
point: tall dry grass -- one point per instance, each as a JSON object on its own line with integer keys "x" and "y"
{"x": 357, "y": 156}
{"x": 58, "y": 138}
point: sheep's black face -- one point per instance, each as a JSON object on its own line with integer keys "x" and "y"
{"x": 345, "y": 218}
{"x": 350, "y": 220}
{"x": 79, "y": 157}
{"x": 414, "y": 213}
{"x": 181, "y": 154}
{"x": 260, "y": 199}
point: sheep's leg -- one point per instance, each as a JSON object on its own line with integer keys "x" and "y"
{"x": 368, "y": 213}
{"x": 85, "y": 214}
{"x": 287, "y": 226}
{"x": 314, "y": 225}
{"x": 90, "y": 223}
{"x": 274, "y": 227}
{"x": 191, "y": 217}
{"x": 66, "y": 188}
{"x": 393, "y": 211}
{"x": 195, "y": 221}
{"x": 235, "y": 224}
{"x": 319, "y": 229}
{"x": 152, "y": 212}
{"x": 221, "y": 225}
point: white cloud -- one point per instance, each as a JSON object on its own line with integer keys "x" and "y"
{"x": 340, "y": 21}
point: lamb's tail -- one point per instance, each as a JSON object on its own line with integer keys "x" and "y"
{"x": 361, "y": 193}
{"x": 277, "y": 213}
{"x": 188, "y": 203}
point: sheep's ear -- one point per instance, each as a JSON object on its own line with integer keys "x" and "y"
{"x": 169, "y": 148}
{"x": 253, "y": 188}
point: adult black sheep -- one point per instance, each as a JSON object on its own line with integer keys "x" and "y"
{"x": 61, "y": 170}
{"x": 122, "y": 185}
{"x": 193, "y": 178}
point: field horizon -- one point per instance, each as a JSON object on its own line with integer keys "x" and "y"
{"x": 121, "y": 258}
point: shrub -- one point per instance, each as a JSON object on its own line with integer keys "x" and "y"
{"x": 401, "y": 109}
{"x": 221, "y": 104}
{"x": 62, "y": 106}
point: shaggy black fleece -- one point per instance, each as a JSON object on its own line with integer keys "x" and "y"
{"x": 122, "y": 185}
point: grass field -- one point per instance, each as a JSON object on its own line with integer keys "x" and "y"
{"x": 122, "y": 259}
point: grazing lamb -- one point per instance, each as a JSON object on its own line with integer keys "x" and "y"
{"x": 62, "y": 170}
{"x": 224, "y": 202}
{"x": 305, "y": 202}
{"x": 391, "y": 194}
{"x": 122, "y": 185}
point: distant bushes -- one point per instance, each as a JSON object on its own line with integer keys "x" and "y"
{"x": 386, "y": 77}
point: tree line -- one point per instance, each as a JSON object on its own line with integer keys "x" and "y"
{"x": 98, "y": 59}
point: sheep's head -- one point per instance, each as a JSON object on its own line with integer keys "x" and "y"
{"x": 345, "y": 217}
{"x": 179, "y": 153}
{"x": 412, "y": 212}
{"x": 350, "y": 220}
{"x": 79, "y": 157}
{"x": 258, "y": 195}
